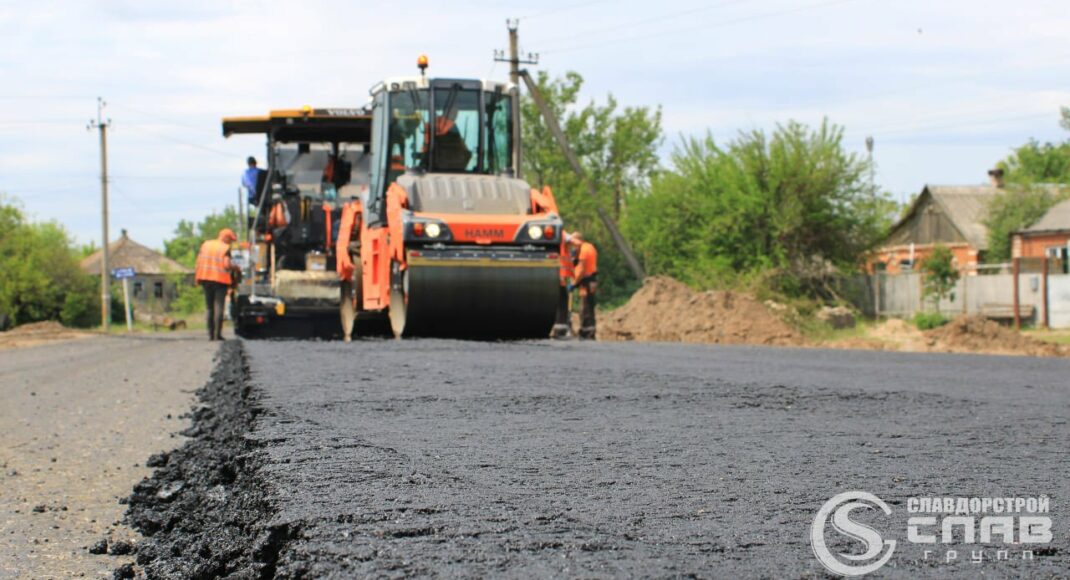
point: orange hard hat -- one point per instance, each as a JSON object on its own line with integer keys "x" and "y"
{"x": 227, "y": 235}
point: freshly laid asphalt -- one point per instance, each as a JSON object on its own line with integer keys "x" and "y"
{"x": 440, "y": 457}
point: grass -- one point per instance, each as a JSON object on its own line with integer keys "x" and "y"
{"x": 1053, "y": 336}
{"x": 820, "y": 332}
{"x": 194, "y": 321}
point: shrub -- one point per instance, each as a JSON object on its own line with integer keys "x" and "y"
{"x": 929, "y": 320}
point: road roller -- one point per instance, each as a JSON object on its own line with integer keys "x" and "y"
{"x": 446, "y": 240}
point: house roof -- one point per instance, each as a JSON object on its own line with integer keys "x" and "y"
{"x": 126, "y": 253}
{"x": 1057, "y": 219}
{"x": 967, "y": 207}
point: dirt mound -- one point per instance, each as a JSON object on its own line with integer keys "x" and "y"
{"x": 38, "y": 333}
{"x": 978, "y": 334}
{"x": 667, "y": 310}
{"x": 47, "y": 326}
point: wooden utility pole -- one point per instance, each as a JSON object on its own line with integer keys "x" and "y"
{"x": 105, "y": 277}
{"x": 515, "y": 61}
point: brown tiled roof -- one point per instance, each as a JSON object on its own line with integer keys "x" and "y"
{"x": 126, "y": 253}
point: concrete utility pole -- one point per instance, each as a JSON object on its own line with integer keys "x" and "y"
{"x": 562, "y": 141}
{"x": 515, "y": 61}
{"x": 872, "y": 175}
{"x": 105, "y": 276}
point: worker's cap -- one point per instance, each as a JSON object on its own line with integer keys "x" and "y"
{"x": 226, "y": 235}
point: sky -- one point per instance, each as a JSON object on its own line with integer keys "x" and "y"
{"x": 946, "y": 89}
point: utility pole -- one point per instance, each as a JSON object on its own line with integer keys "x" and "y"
{"x": 872, "y": 181}
{"x": 515, "y": 61}
{"x": 577, "y": 167}
{"x": 102, "y": 125}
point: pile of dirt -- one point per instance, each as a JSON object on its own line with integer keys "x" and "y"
{"x": 36, "y": 333}
{"x": 203, "y": 512}
{"x": 667, "y": 310}
{"x": 978, "y": 334}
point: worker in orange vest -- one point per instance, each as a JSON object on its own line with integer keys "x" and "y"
{"x": 563, "y": 321}
{"x": 214, "y": 275}
{"x": 586, "y": 278}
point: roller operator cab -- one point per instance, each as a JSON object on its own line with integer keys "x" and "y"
{"x": 448, "y": 241}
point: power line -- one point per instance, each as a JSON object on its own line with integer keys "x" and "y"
{"x": 561, "y": 9}
{"x": 39, "y": 97}
{"x": 646, "y": 21}
{"x": 184, "y": 142}
{"x": 700, "y": 27}
{"x": 970, "y": 124}
{"x": 157, "y": 117}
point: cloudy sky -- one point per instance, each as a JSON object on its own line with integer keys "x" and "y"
{"x": 946, "y": 88}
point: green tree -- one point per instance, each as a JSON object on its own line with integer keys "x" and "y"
{"x": 1014, "y": 209}
{"x": 41, "y": 279}
{"x": 794, "y": 202}
{"x": 940, "y": 275}
{"x": 1030, "y": 171}
{"x": 617, "y": 147}
{"x": 189, "y": 236}
{"x": 1037, "y": 162}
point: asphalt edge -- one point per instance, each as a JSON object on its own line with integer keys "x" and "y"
{"x": 204, "y": 512}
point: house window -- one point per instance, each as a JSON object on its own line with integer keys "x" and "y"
{"x": 139, "y": 288}
{"x": 157, "y": 289}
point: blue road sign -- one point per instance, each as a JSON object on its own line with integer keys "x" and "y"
{"x": 121, "y": 273}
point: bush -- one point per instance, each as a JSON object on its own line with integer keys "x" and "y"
{"x": 39, "y": 270}
{"x": 81, "y": 305}
{"x": 190, "y": 299}
{"x": 795, "y": 202}
{"x": 930, "y": 320}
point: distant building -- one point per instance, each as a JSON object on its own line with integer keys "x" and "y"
{"x": 1049, "y": 237}
{"x": 951, "y": 216}
{"x": 154, "y": 285}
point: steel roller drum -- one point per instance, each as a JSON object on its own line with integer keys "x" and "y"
{"x": 481, "y": 298}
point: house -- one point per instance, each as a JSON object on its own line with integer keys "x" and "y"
{"x": 156, "y": 276}
{"x": 951, "y": 216}
{"x": 1049, "y": 237}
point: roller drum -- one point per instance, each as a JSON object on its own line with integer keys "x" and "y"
{"x": 481, "y": 298}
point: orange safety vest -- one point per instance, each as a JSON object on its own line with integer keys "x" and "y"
{"x": 587, "y": 265}
{"x": 565, "y": 271}
{"x": 213, "y": 262}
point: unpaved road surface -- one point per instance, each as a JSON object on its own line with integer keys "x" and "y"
{"x": 437, "y": 457}
{"x": 78, "y": 419}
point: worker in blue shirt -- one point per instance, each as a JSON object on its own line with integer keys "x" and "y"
{"x": 249, "y": 180}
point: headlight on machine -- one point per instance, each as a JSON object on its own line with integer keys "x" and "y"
{"x": 433, "y": 230}
{"x": 535, "y": 232}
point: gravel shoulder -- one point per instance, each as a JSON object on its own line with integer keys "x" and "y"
{"x": 79, "y": 419}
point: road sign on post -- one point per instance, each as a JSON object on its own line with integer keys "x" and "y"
{"x": 125, "y": 274}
